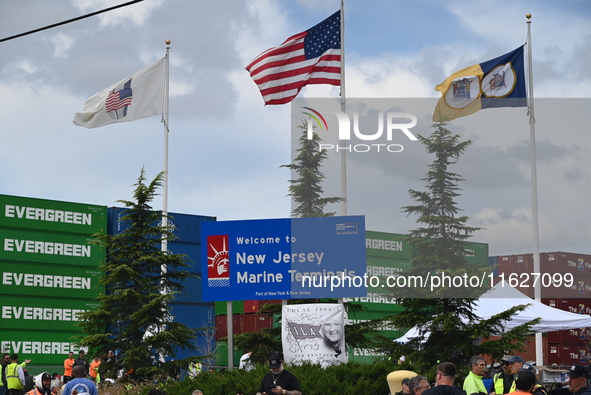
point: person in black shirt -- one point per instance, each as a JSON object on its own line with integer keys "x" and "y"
{"x": 444, "y": 381}
{"x": 577, "y": 380}
{"x": 81, "y": 361}
{"x": 279, "y": 380}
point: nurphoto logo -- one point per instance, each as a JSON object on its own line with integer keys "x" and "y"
{"x": 396, "y": 124}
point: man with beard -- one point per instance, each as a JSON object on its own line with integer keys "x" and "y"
{"x": 42, "y": 385}
{"x": 279, "y": 380}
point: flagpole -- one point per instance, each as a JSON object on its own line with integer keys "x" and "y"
{"x": 164, "y": 245}
{"x": 534, "y": 186}
{"x": 343, "y": 108}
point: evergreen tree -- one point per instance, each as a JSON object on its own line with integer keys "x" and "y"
{"x": 450, "y": 330}
{"x": 133, "y": 317}
{"x": 306, "y": 191}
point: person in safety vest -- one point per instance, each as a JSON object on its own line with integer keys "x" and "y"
{"x": 504, "y": 382}
{"x": 42, "y": 385}
{"x": 15, "y": 376}
{"x": 3, "y": 364}
{"x": 473, "y": 384}
{"x": 194, "y": 369}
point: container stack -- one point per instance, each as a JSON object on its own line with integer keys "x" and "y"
{"x": 49, "y": 275}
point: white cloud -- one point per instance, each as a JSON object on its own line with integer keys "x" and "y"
{"x": 62, "y": 44}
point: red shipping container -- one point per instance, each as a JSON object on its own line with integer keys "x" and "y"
{"x": 252, "y": 306}
{"x": 566, "y": 262}
{"x": 581, "y": 289}
{"x": 505, "y": 263}
{"x": 552, "y": 354}
{"x": 238, "y": 324}
{"x": 579, "y": 306}
{"x": 250, "y": 323}
{"x": 567, "y": 354}
{"x": 523, "y": 263}
{"x": 256, "y": 322}
{"x": 573, "y": 336}
{"x": 221, "y": 327}
{"x": 530, "y": 349}
{"x": 265, "y": 322}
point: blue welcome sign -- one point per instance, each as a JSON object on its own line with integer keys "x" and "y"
{"x": 289, "y": 258}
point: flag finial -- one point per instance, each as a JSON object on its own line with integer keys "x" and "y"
{"x": 167, "y": 42}
{"x": 528, "y": 15}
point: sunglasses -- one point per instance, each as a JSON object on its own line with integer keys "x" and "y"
{"x": 508, "y": 363}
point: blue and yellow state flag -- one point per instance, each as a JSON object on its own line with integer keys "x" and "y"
{"x": 499, "y": 82}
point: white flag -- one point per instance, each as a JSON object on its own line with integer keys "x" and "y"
{"x": 136, "y": 97}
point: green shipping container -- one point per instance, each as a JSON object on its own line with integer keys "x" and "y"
{"x": 221, "y": 308}
{"x": 52, "y": 215}
{"x": 50, "y": 247}
{"x": 477, "y": 254}
{"x": 24, "y": 278}
{"x": 42, "y": 313}
{"x": 387, "y": 245}
{"x": 42, "y": 348}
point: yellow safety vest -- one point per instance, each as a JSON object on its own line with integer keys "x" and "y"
{"x": 12, "y": 380}
{"x": 499, "y": 384}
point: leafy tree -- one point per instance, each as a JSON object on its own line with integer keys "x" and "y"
{"x": 306, "y": 191}
{"x": 450, "y": 330}
{"x": 133, "y": 316}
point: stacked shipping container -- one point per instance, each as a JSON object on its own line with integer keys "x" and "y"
{"x": 49, "y": 274}
{"x": 564, "y": 347}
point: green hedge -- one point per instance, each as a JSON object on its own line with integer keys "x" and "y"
{"x": 347, "y": 379}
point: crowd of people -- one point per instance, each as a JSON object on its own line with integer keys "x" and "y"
{"x": 515, "y": 376}
{"x": 80, "y": 377}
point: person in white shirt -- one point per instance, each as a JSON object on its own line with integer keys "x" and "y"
{"x": 245, "y": 362}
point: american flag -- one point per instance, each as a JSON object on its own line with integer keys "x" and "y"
{"x": 310, "y": 57}
{"x": 119, "y": 99}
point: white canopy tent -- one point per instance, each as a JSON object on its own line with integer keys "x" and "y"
{"x": 502, "y": 297}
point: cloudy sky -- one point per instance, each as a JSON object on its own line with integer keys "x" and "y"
{"x": 226, "y": 147}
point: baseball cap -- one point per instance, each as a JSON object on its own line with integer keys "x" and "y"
{"x": 515, "y": 358}
{"x": 526, "y": 367}
{"x": 275, "y": 361}
{"x": 577, "y": 371}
